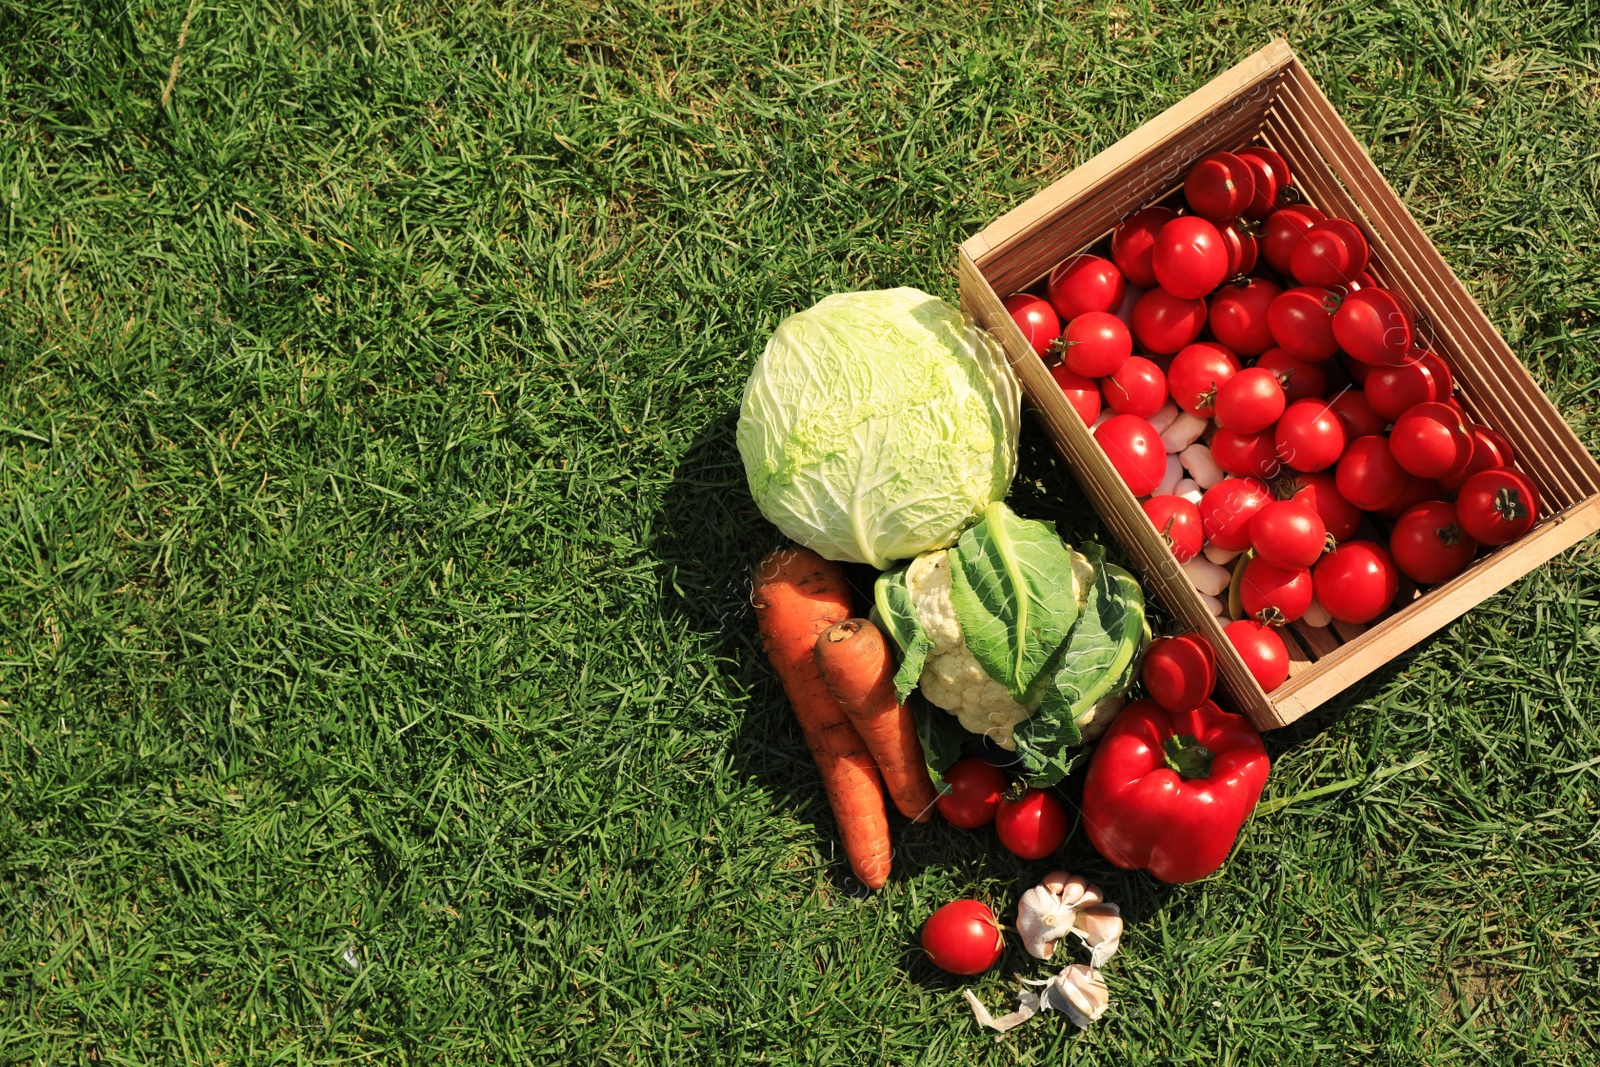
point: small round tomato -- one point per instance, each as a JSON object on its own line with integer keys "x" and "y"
{"x": 1367, "y": 474}
{"x": 972, "y": 794}
{"x": 1227, "y": 508}
{"x": 1271, "y": 174}
{"x": 1431, "y": 439}
{"x": 1197, "y": 373}
{"x": 1498, "y": 505}
{"x": 1331, "y": 254}
{"x": 1135, "y": 450}
{"x": 1238, "y": 315}
{"x": 1356, "y": 369}
{"x": 1134, "y": 241}
{"x": 1309, "y": 436}
{"x": 1356, "y": 582}
{"x": 1414, "y": 491}
{"x": 1082, "y": 392}
{"x": 1136, "y": 388}
{"x": 1355, "y": 412}
{"x": 1241, "y": 247}
{"x": 1250, "y": 401}
{"x": 963, "y": 937}
{"x": 1289, "y": 534}
{"x": 1490, "y": 449}
{"x": 1179, "y": 673}
{"x": 1246, "y": 455}
{"x": 1219, "y": 187}
{"x": 1428, "y": 543}
{"x": 1300, "y": 380}
{"x": 1036, "y": 319}
{"x": 1178, "y": 521}
{"x": 1374, "y": 326}
{"x": 1282, "y": 230}
{"x": 1263, "y": 651}
{"x": 1032, "y": 826}
{"x": 1274, "y": 595}
{"x": 1320, "y": 493}
{"x": 1190, "y": 259}
{"x": 1097, "y": 343}
{"x": 1391, "y": 390}
{"x": 1443, "y": 379}
{"x": 1301, "y": 322}
{"x": 1163, "y": 323}
{"x": 1083, "y": 283}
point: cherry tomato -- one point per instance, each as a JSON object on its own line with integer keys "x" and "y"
{"x": 1250, "y": 401}
{"x": 1272, "y": 594}
{"x": 1197, "y": 373}
{"x": 1242, "y": 249}
{"x": 1413, "y": 491}
{"x": 1428, "y": 543}
{"x": 1288, "y": 534}
{"x": 1219, "y": 187}
{"x": 1036, "y": 319}
{"x": 1498, "y": 505}
{"x": 1190, "y": 259}
{"x": 1263, "y": 651}
{"x": 1227, "y": 508}
{"x": 1164, "y": 323}
{"x": 1180, "y": 672}
{"x": 1356, "y": 582}
{"x": 1391, "y": 390}
{"x": 1489, "y": 450}
{"x": 1282, "y": 230}
{"x": 1135, "y": 450}
{"x": 974, "y": 791}
{"x": 1442, "y": 377}
{"x": 1136, "y": 388}
{"x": 1331, "y": 254}
{"x": 1309, "y": 436}
{"x": 1246, "y": 455}
{"x": 1355, "y": 412}
{"x": 1374, "y": 326}
{"x": 1134, "y": 240}
{"x": 1431, "y": 439}
{"x": 1178, "y": 522}
{"x": 1357, "y": 370}
{"x": 1271, "y": 176}
{"x": 1300, "y": 380}
{"x": 1096, "y": 344}
{"x": 1084, "y": 283}
{"x": 1082, "y": 392}
{"x": 1032, "y": 826}
{"x": 1320, "y": 493}
{"x": 963, "y": 937}
{"x": 1367, "y": 474}
{"x": 1301, "y": 321}
{"x": 1238, "y": 316}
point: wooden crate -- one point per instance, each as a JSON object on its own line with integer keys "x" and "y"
{"x": 1271, "y": 99}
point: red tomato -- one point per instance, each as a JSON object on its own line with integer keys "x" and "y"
{"x": 1489, "y": 450}
{"x": 1036, "y": 319}
{"x": 1431, "y": 439}
{"x": 1246, "y": 455}
{"x": 1414, "y": 491}
{"x": 1309, "y": 436}
{"x": 1241, "y": 248}
{"x": 1032, "y": 826}
{"x": 1085, "y": 283}
{"x": 1274, "y": 595}
{"x": 1178, "y": 521}
{"x": 1227, "y": 508}
{"x": 1428, "y": 543}
{"x": 1136, "y": 388}
{"x": 1133, "y": 242}
{"x": 1263, "y": 651}
{"x": 1498, "y": 505}
{"x": 1300, "y": 380}
{"x": 1097, "y": 343}
{"x": 1250, "y": 401}
{"x": 1219, "y": 187}
{"x": 1356, "y": 369}
{"x": 1367, "y": 474}
{"x": 1135, "y": 450}
{"x": 1190, "y": 259}
{"x": 1271, "y": 176}
{"x": 1164, "y": 323}
{"x": 1441, "y": 374}
{"x": 1301, "y": 321}
{"x": 1391, "y": 390}
{"x": 1282, "y": 230}
{"x": 1180, "y": 672}
{"x": 1288, "y": 534}
{"x": 973, "y": 793}
{"x": 1356, "y": 413}
{"x": 1356, "y": 582}
{"x": 1373, "y": 326}
{"x": 1331, "y": 254}
{"x": 1238, "y": 315}
{"x": 963, "y": 937}
{"x": 1320, "y": 493}
{"x": 1082, "y": 392}
{"x": 1197, "y": 373}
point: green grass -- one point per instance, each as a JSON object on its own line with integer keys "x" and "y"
{"x": 376, "y": 673}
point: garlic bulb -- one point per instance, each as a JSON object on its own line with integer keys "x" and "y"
{"x": 1042, "y": 920}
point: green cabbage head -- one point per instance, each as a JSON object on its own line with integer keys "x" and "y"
{"x": 877, "y": 425}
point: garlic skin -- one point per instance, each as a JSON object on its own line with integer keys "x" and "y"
{"x": 1078, "y": 993}
{"x": 1100, "y": 928}
{"x": 1042, "y": 920}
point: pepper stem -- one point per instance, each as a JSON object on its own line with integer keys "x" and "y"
{"x": 1186, "y": 755}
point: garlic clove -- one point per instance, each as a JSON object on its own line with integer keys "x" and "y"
{"x": 1055, "y": 881}
{"x": 1080, "y": 892}
{"x": 1100, "y": 928}
{"x": 1042, "y": 920}
{"x": 1078, "y": 993}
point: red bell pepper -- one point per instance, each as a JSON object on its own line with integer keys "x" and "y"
{"x": 1168, "y": 790}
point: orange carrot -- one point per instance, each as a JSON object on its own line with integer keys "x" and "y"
{"x": 854, "y": 661}
{"x": 797, "y": 594}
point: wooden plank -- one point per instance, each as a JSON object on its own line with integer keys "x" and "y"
{"x": 1318, "y": 640}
